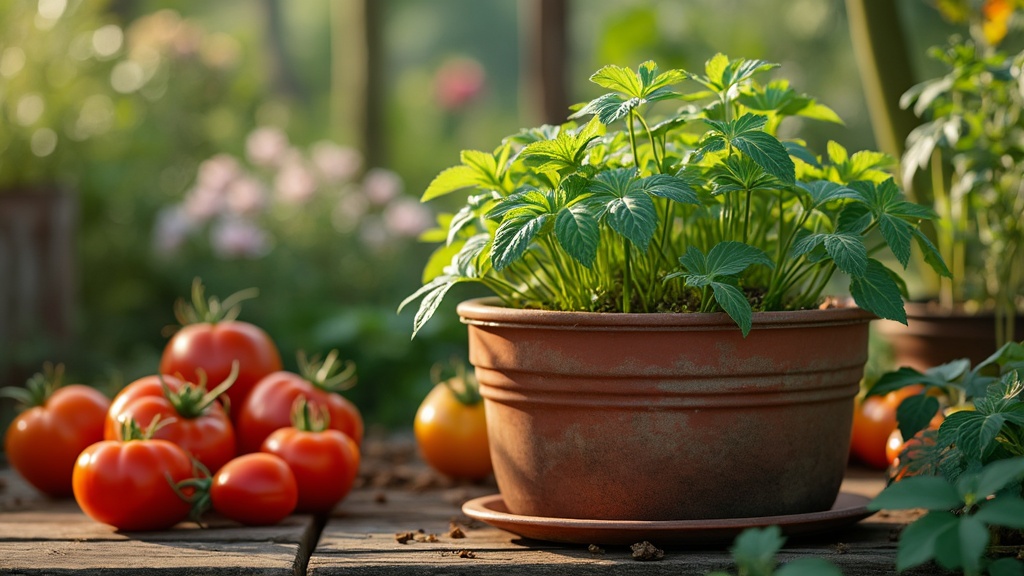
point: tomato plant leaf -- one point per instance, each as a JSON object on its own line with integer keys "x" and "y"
{"x": 1006, "y": 567}
{"x": 754, "y": 549}
{"x": 915, "y": 413}
{"x": 734, "y": 303}
{"x": 932, "y": 256}
{"x": 634, "y": 217}
{"x": 768, "y": 153}
{"x": 999, "y": 474}
{"x": 876, "y": 292}
{"x": 731, "y": 258}
{"x": 973, "y": 539}
{"x": 897, "y": 234}
{"x": 929, "y": 492}
{"x": 514, "y": 236}
{"x": 809, "y": 567}
{"x": 848, "y": 252}
{"x": 671, "y": 187}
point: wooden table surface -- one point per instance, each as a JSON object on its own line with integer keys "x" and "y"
{"x": 42, "y": 536}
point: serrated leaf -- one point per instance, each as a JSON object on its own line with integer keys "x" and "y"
{"x": 462, "y": 219}
{"x": 897, "y": 234}
{"x": 513, "y": 237}
{"x": 577, "y": 231}
{"x": 1005, "y": 511}
{"x": 837, "y": 154}
{"x": 931, "y": 254}
{"x": 854, "y": 219}
{"x": 848, "y": 252}
{"x": 806, "y": 243}
{"x": 799, "y": 151}
{"x": 671, "y": 187}
{"x": 634, "y": 217}
{"x": 619, "y": 79}
{"x": 929, "y": 492}
{"x": 915, "y": 413}
{"x": 768, "y": 153}
{"x": 977, "y": 433}
{"x": 439, "y": 259}
{"x": 715, "y": 69}
{"x": 876, "y": 292}
{"x": 732, "y": 258}
{"x": 734, "y": 303}
{"x": 694, "y": 261}
{"x": 823, "y": 191}
{"x": 918, "y": 540}
{"x": 755, "y": 549}
{"x": 452, "y": 179}
{"x": 816, "y": 111}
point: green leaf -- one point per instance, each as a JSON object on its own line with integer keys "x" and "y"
{"x": 854, "y": 219}
{"x": 877, "y": 293}
{"x": 715, "y": 70}
{"x": 755, "y": 548}
{"x": 848, "y": 252}
{"x": 439, "y": 259}
{"x": 734, "y": 303}
{"x": 997, "y": 475}
{"x": 809, "y": 567}
{"x": 836, "y": 153}
{"x": 694, "y": 261}
{"x": 800, "y": 152}
{"x": 577, "y": 232}
{"x": 897, "y": 234}
{"x": 918, "y": 540}
{"x": 619, "y": 79}
{"x": 433, "y": 293}
{"x": 634, "y": 217}
{"x": 973, "y": 536}
{"x": 671, "y": 187}
{"x": 931, "y": 254}
{"x": 452, "y": 179}
{"x": 929, "y": 492}
{"x": 915, "y": 413}
{"x": 768, "y": 153}
{"x": 1005, "y": 511}
{"x": 565, "y": 152}
{"x": 513, "y": 237}
{"x": 901, "y": 378}
{"x": 816, "y": 111}
{"x": 732, "y": 258}
{"x": 1006, "y": 567}
{"x": 823, "y": 191}
{"x": 977, "y": 433}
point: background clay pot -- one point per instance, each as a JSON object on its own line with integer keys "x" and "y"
{"x": 667, "y": 416}
{"x": 933, "y": 336}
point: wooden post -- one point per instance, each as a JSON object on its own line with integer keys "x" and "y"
{"x": 545, "y": 55}
{"x": 357, "y": 79}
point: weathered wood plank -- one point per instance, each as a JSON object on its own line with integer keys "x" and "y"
{"x": 360, "y": 539}
{"x": 44, "y": 536}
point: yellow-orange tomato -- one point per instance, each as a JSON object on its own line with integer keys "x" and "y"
{"x": 874, "y": 419}
{"x": 452, "y": 435}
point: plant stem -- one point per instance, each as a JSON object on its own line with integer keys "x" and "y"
{"x": 627, "y": 278}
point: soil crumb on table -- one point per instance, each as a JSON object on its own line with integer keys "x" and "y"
{"x": 645, "y": 551}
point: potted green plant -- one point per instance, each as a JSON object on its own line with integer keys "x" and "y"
{"x": 971, "y": 145}
{"x": 660, "y": 347}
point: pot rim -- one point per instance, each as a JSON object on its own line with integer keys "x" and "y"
{"x": 489, "y": 311}
{"x": 931, "y": 309}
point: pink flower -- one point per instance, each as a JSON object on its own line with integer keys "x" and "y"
{"x": 218, "y": 172}
{"x": 407, "y": 217}
{"x": 239, "y": 238}
{"x": 335, "y": 163}
{"x": 382, "y": 186}
{"x": 173, "y": 226}
{"x": 246, "y": 196}
{"x": 295, "y": 182}
{"x": 266, "y": 146}
{"x": 458, "y": 82}
{"x": 202, "y": 204}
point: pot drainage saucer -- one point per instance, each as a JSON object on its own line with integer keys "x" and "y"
{"x": 848, "y": 509}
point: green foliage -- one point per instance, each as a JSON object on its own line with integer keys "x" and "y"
{"x": 755, "y": 550}
{"x": 972, "y": 142}
{"x": 955, "y": 533}
{"x": 625, "y": 214}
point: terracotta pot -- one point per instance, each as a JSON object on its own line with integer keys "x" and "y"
{"x": 667, "y": 416}
{"x": 934, "y": 336}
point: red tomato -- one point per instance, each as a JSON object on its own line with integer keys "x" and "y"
{"x": 210, "y": 339}
{"x": 874, "y": 419}
{"x": 194, "y": 420}
{"x": 325, "y": 464}
{"x": 269, "y": 406}
{"x": 451, "y": 433}
{"x": 254, "y": 489}
{"x": 895, "y": 446}
{"x": 43, "y": 442}
{"x": 125, "y": 484}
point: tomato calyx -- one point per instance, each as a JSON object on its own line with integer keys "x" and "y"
{"x": 195, "y": 491}
{"x": 193, "y": 399}
{"x": 131, "y": 431}
{"x": 309, "y": 418}
{"x": 38, "y": 388}
{"x": 328, "y": 375}
{"x": 210, "y": 310}
{"x": 463, "y": 385}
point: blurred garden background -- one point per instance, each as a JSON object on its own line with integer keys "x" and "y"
{"x": 284, "y": 146}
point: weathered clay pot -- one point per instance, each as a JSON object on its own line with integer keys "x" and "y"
{"x": 933, "y": 336}
{"x": 667, "y": 416}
